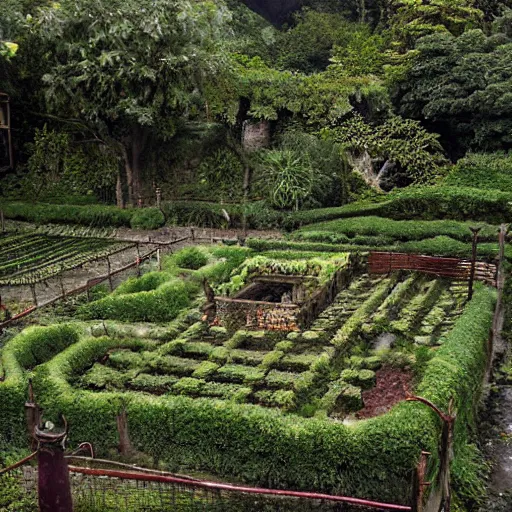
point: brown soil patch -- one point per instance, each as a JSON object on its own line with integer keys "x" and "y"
{"x": 392, "y": 387}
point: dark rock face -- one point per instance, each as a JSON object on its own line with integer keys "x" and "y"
{"x": 276, "y": 11}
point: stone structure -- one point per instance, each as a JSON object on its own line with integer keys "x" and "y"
{"x": 282, "y": 302}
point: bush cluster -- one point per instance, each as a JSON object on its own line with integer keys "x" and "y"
{"x": 192, "y": 258}
{"x": 160, "y": 305}
{"x": 147, "y": 218}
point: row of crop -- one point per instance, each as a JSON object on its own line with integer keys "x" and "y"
{"x": 374, "y": 458}
{"x": 54, "y": 265}
{"x": 49, "y": 252}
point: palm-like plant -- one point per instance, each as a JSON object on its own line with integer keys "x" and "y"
{"x": 285, "y": 178}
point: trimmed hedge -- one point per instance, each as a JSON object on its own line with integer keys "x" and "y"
{"x": 147, "y": 218}
{"x": 146, "y": 283}
{"x": 438, "y": 246}
{"x": 91, "y": 215}
{"x": 33, "y": 346}
{"x": 160, "y": 305}
{"x": 427, "y": 203}
{"x": 382, "y": 231}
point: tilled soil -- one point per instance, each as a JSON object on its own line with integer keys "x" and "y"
{"x": 392, "y": 387}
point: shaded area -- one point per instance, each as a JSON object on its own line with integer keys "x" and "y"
{"x": 273, "y": 11}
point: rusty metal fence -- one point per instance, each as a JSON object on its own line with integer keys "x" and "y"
{"x": 453, "y": 268}
{"x": 100, "y": 489}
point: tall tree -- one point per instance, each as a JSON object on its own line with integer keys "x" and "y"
{"x": 460, "y": 87}
{"x": 130, "y": 69}
{"x": 412, "y": 19}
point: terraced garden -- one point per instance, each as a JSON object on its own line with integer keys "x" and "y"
{"x": 27, "y": 258}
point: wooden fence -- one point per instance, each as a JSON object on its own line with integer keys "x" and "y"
{"x": 454, "y": 268}
{"x": 93, "y": 281}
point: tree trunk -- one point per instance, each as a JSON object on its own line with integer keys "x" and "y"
{"x": 363, "y": 164}
{"x": 119, "y": 190}
{"x": 133, "y": 148}
{"x": 388, "y": 166}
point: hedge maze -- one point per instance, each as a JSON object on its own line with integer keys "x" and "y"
{"x": 240, "y": 402}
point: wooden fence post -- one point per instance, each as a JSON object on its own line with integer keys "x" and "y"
{"x": 475, "y": 232}
{"x": 61, "y": 280}
{"x": 54, "y": 489}
{"x": 111, "y": 285}
{"x": 125, "y": 445}
{"x": 32, "y": 416}
{"x": 2, "y": 220}
{"x": 446, "y": 447}
{"x": 159, "y": 259}
{"x": 420, "y": 484}
{"x": 138, "y": 259}
{"x": 34, "y": 295}
{"x": 158, "y": 197}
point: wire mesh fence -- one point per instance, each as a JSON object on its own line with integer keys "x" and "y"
{"x": 100, "y": 490}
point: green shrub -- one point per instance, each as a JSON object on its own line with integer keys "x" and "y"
{"x": 365, "y": 379}
{"x": 90, "y": 215}
{"x": 125, "y": 359}
{"x": 482, "y": 170}
{"x": 205, "y": 370}
{"x": 172, "y": 364}
{"x": 147, "y": 218}
{"x": 191, "y": 258}
{"x": 233, "y": 392}
{"x": 103, "y": 377}
{"x": 188, "y": 386}
{"x": 342, "y": 397}
{"x": 279, "y": 379}
{"x": 146, "y": 283}
{"x": 155, "y": 384}
{"x": 240, "y": 374}
{"x": 161, "y": 305}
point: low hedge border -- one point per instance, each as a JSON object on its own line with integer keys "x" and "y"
{"x": 438, "y": 246}
{"x": 427, "y": 203}
{"x": 32, "y": 347}
{"x": 381, "y": 231}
